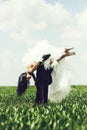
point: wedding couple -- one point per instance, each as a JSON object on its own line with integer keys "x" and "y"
{"x": 49, "y": 73}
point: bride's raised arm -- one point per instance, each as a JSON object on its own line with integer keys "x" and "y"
{"x": 66, "y": 53}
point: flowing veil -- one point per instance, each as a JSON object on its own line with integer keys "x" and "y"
{"x": 61, "y": 74}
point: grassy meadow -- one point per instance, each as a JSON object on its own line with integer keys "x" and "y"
{"x": 20, "y": 113}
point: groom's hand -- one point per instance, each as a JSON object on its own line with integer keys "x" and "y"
{"x": 68, "y": 49}
{"x": 66, "y": 53}
{"x": 69, "y": 54}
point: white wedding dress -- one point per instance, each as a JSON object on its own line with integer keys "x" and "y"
{"x": 61, "y": 74}
{"x": 61, "y": 77}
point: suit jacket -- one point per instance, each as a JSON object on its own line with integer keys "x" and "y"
{"x": 44, "y": 75}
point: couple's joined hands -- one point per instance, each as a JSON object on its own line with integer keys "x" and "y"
{"x": 67, "y": 52}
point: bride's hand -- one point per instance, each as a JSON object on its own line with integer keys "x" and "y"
{"x": 66, "y": 53}
{"x": 68, "y": 49}
{"x": 69, "y": 53}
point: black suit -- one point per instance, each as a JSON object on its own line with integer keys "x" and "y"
{"x": 43, "y": 79}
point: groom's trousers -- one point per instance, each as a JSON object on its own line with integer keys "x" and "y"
{"x": 42, "y": 92}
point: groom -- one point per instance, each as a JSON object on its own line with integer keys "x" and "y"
{"x": 43, "y": 79}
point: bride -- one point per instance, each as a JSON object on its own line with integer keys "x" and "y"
{"x": 61, "y": 75}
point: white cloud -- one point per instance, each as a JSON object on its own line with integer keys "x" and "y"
{"x": 75, "y": 32}
{"x": 22, "y": 18}
{"x": 10, "y": 68}
{"x": 84, "y": 58}
{"x": 6, "y": 59}
{"x": 82, "y": 18}
{"x": 37, "y": 20}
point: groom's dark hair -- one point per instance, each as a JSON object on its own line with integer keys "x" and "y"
{"x": 45, "y": 57}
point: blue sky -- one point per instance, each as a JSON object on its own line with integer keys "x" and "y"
{"x": 72, "y": 5}
{"x": 23, "y": 24}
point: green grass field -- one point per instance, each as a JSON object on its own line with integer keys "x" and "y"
{"x": 20, "y": 113}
